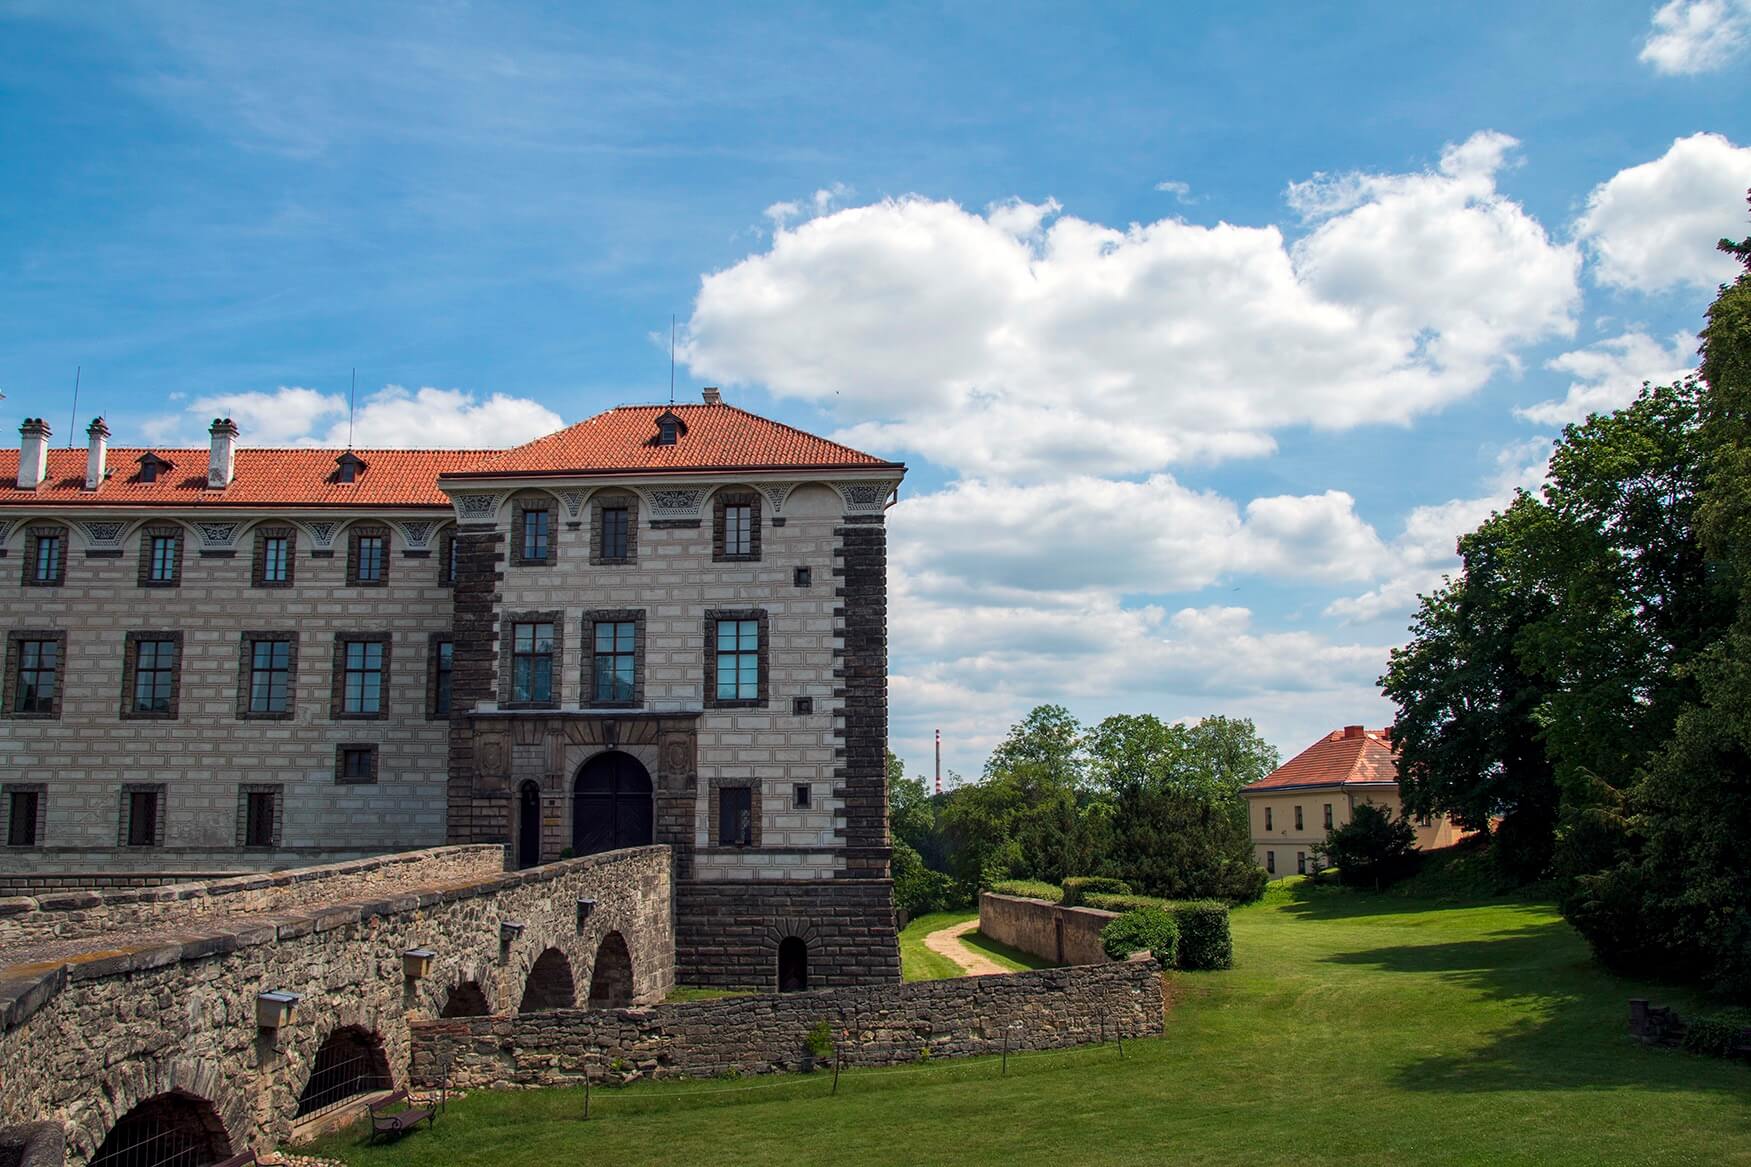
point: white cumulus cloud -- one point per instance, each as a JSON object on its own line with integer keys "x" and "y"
{"x": 1610, "y": 373}
{"x": 1697, "y": 36}
{"x": 393, "y": 417}
{"x": 1024, "y": 341}
{"x": 1655, "y": 226}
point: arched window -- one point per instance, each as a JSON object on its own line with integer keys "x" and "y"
{"x": 793, "y": 965}
{"x": 174, "y": 1128}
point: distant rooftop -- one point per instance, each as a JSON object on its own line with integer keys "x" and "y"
{"x": 1352, "y": 756}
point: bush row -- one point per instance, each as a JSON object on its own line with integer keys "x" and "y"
{"x": 1721, "y": 1034}
{"x": 1205, "y": 941}
{"x": 1150, "y": 929}
{"x": 1078, "y": 886}
{"x": 1031, "y": 889}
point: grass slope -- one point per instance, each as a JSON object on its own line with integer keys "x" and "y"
{"x": 1354, "y": 1029}
{"x": 918, "y": 963}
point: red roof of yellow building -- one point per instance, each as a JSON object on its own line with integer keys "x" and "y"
{"x": 1352, "y": 756}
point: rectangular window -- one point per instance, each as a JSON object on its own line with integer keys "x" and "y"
{"x": 355, "y": 764}
{"x": 1271, "y": 862}
{"x": 616, "y": 671}
{"x": 532, "y": 663}
{"x": 1267, "y": 818}
{"x": 22, "y": 807}
{"x": 48, "y": 556}
{"x": 143, "y": 818}
{"x": 738, "y": 529}
{"x": 1298, "y": 818}
{"x": 39, "y": 670}
{"x": 258, "y": 824}
{"x": 1328, "y": 816}
{"x": 1301, "y": 862}
{"x": 163, "y": 566}
{"x": 443, "y": 662}
{"x": 735, "y": 816}
{"x": 373, "y": 553}
{"x": 537, "y": 535}
{"x": 615, "y": 524}
{"x": 270, "y": 676}
{"x": 447, "y": 560}
{"x": 276, "y": 559}
{"x": 362, "y": 682}
{"x": 154, "y": 675}
{"x": 738, "y": 660}
{"x": 801, "y": 798}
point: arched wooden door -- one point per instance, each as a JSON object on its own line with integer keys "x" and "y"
{"x": 611, "y": 804}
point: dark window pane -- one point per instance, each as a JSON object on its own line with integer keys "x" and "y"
{"x": 270, "y": 676}
{"x": 614, "y": 533}
{"x": 735, "y": 816}
{"x": 48, "y": 557}
{"x": 357, "y": 763}
{"x": 441, "y": 685}
{"x": 373, "y": 550}
{"x": 143, "y": 819}
{"x": 537, "y": 534}
{"x": 21, "y": 815}
{"x": 532, "y": 662}
{"x": 275, "y": 559}
{"x": 154, "y": 668}
{"x": 259, "y": 829}
{"x": 38, "y": 672}
{"x": 363, "y": 691}
{"x": 739, "y": 529}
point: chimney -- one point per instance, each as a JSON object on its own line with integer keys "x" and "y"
{"x": 1351, "y": 731}
{"x": 33, "y": 453}
{"x": 97, "y": 457}
{"x": 222, "y": 461}
{"x": 712, "y": 396}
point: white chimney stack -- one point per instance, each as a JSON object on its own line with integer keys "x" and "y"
{"x": 33, "y": 453}
{"x": 711, "y": 395}
{"x": 222, "y": 462}
{"x": 97, "y": 457}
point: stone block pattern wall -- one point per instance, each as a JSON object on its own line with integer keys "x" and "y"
{"x": 876, "y": 1026}
{"x": 727, "y": 934}
{"x": 82, "y": 1042}
{"x": 206, "y": 753}
{"x": 70, "y": 915}
{"x": 1048, "y": 931}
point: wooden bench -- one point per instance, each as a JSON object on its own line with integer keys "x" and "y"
{"x": 400, "y": 1121}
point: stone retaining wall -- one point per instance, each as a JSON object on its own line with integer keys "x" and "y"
{"x": 1047, "y": 930}
{"x": 84, "y": 1038}
{"x": 878, "y": 1026}
{"x": 70, "y": 915}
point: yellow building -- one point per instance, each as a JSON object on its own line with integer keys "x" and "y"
{"x": 1300, "y": 802}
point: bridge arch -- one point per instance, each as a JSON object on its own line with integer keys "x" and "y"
{"x": 175, "y": 1127}
{"x": 466, "y": 999}
{"x": 611, "y": 974}
{"x": 173, "y": 1087}
{"x": 349, "y": 1062}
{"x": 550, "y": 984}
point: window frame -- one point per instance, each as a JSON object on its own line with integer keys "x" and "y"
{"x": 508, "y": 659}
{"x": 258, "y": 576}
{"x": 1300, "y": 823}
{"x": 762, "y": 651}
{"x": 126, "y": 828}
{"x": 246, "y": 675}
{"x": 148, "y": 567}
{"x": 1300, "y": 863}
{"x": 36, "y": 822}
{"x": 356, "y": 536}
{"x": 608, "y": 500}
{"x": 1270, "y": 863}
{"x": 36, "y": 536}
{"x": 594, "y": 619}
{"x": 1328, "y": 816}
{"x": 447, "y": 552}
{"x": 131, "y": 652}
{"x": 545, "y": 530}
{"x": 343, "y": 641}
{"x": 371, "y": 750}
{"x": 1268, "y": 824}
{"x": 438, "y": 678}
{"x": 721, "y": 502}
{"x": 741, "y": 791}
{"x": 247, "y": 794}
{"x": 16, "y": 641}
{"x": 802, "y": 796}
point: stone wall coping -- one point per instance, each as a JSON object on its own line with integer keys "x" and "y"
{"x": 25, "y": 988}
{"x": 1093, "y": 913}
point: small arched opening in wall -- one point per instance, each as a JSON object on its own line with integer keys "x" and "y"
{"x": 350, "y": 1062}
{"x": 528, "y": 825}
{"x": 549, "y": 985}
{"x": 467, "y": 999}
{"x": 612, "y": 804}
{"x": 175, "y": 1129}
{"x": 611, "y": 978}
{"x": 793, "y": 964}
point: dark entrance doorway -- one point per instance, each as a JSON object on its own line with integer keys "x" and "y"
{"x": 793, "y": 965}
{"x": 528, "y": 825}
{"x": 611, "y": 804}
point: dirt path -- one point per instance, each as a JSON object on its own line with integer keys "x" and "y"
{"x": 947, "y": 942}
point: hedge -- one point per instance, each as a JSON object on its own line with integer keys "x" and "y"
{"x": 1205, "y": 941}
{"x": 1031, "y": 889}
{"x": 1078, "y": 886}
{"x": 1720, "y": 1034}
{"x": 1150, "y": 929}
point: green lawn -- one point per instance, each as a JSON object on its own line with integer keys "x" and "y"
{"x": 918, "y": 963}
{"x": 1013, "y": 959}
{"x": 1355, "y": 1029}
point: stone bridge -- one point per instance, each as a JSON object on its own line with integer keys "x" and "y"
{"x": 137, "y": 1018}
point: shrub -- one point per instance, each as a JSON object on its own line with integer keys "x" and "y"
{"x": 1718, "y": 1033}
{"x": 1120, "y": 903}
{"x": 1373, "y": 849}
{"x": 1078, "y": 886}
{"x": 820, "y": 1040}
{"x": 1204, "y": 939}
{"x": 1032, "y": 889}
{"x": 918, "y": 890}
{"x": 1148, "y": 929}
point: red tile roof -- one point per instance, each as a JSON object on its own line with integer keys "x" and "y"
{"x": 718, "y": 438}
{"x": 261, "y": 477}
{"x": 1345, "y": 757}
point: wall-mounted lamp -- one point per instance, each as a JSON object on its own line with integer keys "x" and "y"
{"x": 509, "y": 930}
{"x": 585, "y": 907}
{"x": 416, "y": 963}
{"x": 611, "y": 733}
{"x": 275, "y": 1009}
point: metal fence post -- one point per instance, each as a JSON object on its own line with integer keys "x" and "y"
{"x": 1005, "y": 1051}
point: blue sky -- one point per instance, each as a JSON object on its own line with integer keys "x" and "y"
{"x": 1204, "y": 334}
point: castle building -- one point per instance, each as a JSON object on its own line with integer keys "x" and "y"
{"x": 662, "y": 624}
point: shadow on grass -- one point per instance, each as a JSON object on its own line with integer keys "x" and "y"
{"x": 1333, "y": 901}
{"x": 1572, "y": 1026}
{"x": 1003, "y": 953}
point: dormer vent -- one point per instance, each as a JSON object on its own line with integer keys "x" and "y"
{"x": 222, "y": 462}
{"x": 151, "y": 466}
{"x": 97, "y": 455}
{"x": 348, "y": 467}
{"x": 669, "y": 428}
{"x": 33, "y": 453}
